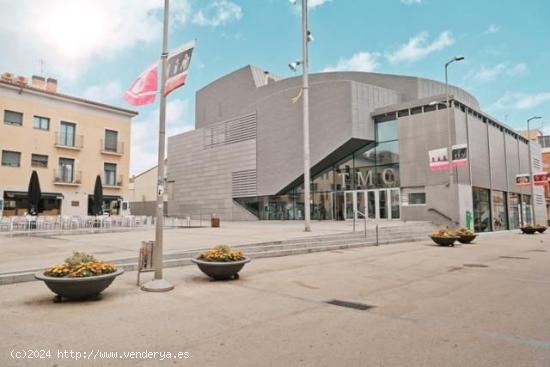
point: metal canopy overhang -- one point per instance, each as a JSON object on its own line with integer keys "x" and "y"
{"x": 336, "y": 156}
{"x": 25, "y": 195}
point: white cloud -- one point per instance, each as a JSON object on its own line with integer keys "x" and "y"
{"x": 361, "y": 61}
{"x": 411, "y": 2}
{"x": 489, "y": 73}
{"x": 110, "y": 92}
{"x": 315, "y": 3}
{"x": 68, "y": 35}
{"x": 145, "y": 132}
{"x": 417, "y": 47}
{"x": 493, "y": 28}
{"x": 522, "y": 101}
{"x": 220, "y": 12}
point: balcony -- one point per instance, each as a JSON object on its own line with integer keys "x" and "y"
{"x": 69, "y": 141}
{"x": 67, "y": 177}
{"x": 112, "y": 149}
{"x": 112, "y": 181}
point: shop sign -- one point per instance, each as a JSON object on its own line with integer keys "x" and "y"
{"x": 523, "y": 179}
{"x": 459, "y": 155}
{"x": 540, "y": 178}
{"x": 439, "y": 159}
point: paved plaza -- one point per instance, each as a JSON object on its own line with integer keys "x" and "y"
{"x": 485, "y": 304}
{"x": 22, "y": 252}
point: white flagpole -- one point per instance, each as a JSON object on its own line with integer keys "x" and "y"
{"x": 159, "y": 284}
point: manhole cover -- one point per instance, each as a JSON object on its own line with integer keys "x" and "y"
{"x": 353, "y": 305}
{"x": 476, "y": 265}
{"x": 514, "y": 257}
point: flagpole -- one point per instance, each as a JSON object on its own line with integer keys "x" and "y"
{"x": 159, "y": 284}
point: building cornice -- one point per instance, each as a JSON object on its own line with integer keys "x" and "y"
{"x": 67, "y": 98}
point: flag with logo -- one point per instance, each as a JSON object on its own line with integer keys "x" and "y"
{"x": 144, "y": 89}
{"x": 178, "y": 66}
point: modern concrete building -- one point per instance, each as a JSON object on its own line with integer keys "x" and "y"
{"x": 370, "y": 134}
{"x": 68, "y": 141}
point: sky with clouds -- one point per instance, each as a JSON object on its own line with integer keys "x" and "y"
{"x": 96, "y": 48}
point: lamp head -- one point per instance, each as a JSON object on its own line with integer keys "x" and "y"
{"x": 294, "y": 65}
{"x": 459, "y": 58}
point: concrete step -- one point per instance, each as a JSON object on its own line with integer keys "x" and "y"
{"x": 253, "y": 251}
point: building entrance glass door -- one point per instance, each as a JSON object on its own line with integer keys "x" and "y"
{"x": 375, "y": 204}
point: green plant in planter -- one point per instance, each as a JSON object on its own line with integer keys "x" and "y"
{"x": 464, "y": 232}
{"x": 80, "y": 265}
{"x": 444, "y": 233}
{"x": 222, "y": 253}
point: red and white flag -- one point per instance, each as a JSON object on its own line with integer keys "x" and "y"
{"x": 178, "y": 66}
{"x": 144, "y": 89}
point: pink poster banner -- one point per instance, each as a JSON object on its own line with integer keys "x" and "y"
{"x": 439, "y": 159}
{"x": 459, "y": 155}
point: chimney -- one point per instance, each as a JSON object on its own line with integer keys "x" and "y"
{"x": 51, "y": 85}
{"x": 38, "y": 82}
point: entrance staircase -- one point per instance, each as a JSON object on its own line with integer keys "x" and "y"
{"x": 388, "y": 232}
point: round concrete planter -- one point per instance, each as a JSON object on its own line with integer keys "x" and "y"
{"x": 541, "y": 229}
{"x": 78, "y": 288}
{"x": 467, "y": 238}
{"x": 528, "y": 230}
{"x": 219, "y": 270}
{"x": 444, "y": 241}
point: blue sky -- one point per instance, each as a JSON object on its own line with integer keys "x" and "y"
{"x": 96, "y": 48}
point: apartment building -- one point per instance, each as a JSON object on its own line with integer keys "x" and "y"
{"x": 68, "y": 141}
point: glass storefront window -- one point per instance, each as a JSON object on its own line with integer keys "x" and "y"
{"x": 322, "y": 206}
{"x": 323, "y": 181}
{"x": 500, "y": 217}
{"x": 526, "y": 209}
{"x": 386, "y": 131}
{"x": 366, "y": 157}
{"x": 482, "y": 209}
{"x": 344, "y": 175}
{"x": 387, "y": 153}
{"x": 513, "y": 210}
{"x": 387, "y": 176}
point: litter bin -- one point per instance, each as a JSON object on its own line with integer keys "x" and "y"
{"x": 215, "y": 221}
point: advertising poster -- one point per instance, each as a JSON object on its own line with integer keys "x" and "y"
{"x": 459, "y": 155}
{"x": 439, "y": 160}
{"x": 540, "y": 178}
{"x": 522, "y": 179}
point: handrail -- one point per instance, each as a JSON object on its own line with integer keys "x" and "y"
{"x": 365, "y": 218}
{"x": 441, "y": 214}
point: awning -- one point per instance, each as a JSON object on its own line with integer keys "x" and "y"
{"x": 108, "y": 197}
{"x": 25, "y": 195}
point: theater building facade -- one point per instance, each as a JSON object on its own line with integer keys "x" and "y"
{"x": 371, "y": 137}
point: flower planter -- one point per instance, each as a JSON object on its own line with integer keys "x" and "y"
{"x": 444, "y": 241}
{"x": 78, "y": 288}
{"x": 528, "y": 230}
{"x": 466, "y": 238}
{"x": 219, "y": 270}
{"x": 541, "y": 229}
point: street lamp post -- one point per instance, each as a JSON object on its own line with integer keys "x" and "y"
{"x": 305, "y": 102}
{"x": 159, "y": 284}
{"x": 448, "y": 104}
{"x": 306, "y": 37}
{"x": 532, "y": 184}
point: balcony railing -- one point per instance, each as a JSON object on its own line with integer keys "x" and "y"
{"x": 65, "y": 176}
{"x": 112, "y": 180}
{"x": 71, "y": 141}
{"x": 109, "y": 148}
